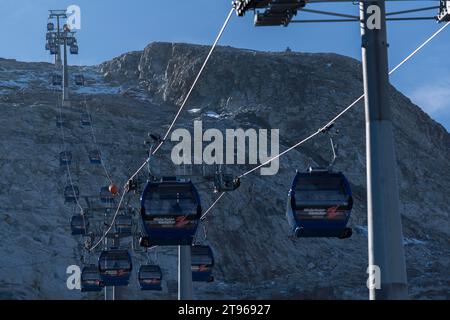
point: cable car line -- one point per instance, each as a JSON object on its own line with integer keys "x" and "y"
{"x": 346, "y": 109}
{"x": 104, "y": 269}
{"x": 212, "y": 206}
{"x": 164, "y": 139}
{"x": 71, "y": 179}
{"x": 75, "y": 195}
{"x": 173, "y": 122}
{"x": 111, "y": 225}
{"x": 196, "y": 80}
{"x": 94, "y": 139}
{"x": 333, "y": 120}
{"x": 93, "y": 278}
{"x": 69, "y": 173}
{"x": 420, "y": 47}
{"x": 67, "y": 164}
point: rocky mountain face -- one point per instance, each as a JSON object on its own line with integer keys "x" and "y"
{"x": 140, "y": 92}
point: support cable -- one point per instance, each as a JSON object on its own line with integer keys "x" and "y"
{"x": 334, "y": 119}
{"x": 170, "y": 127}
{"x": 94, "y": 139}
{"x": 213, "y": 47}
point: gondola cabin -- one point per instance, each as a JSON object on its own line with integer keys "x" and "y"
{"x": 115, "y": 267}
{"x": 74, "y": 49}
{"x": 50, "y": 26}
{"x": 70, "y": 41}
{"x": 106, "y": 196}
{"x": 71, "y": 193}
{"x": 202, "y": 263}
{"x": 124, "y": 225}
{"x": 85, "y": 120}
{"x": 59, "y": 121}
{"x": 79, "y": 80}
{"x": 319, "y": 205}
{"x": 150, "y": 278}
{"x": 56, "y": 80}
{"x": 53, "y": 49}
{"x": 170, "y": 210}
{"x": 91, "y": 280}
{"x": 65, "y": 158}
{"x": 95, "y": 157}
{"x": 79, "y": 225}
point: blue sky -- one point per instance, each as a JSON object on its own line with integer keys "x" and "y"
{"x": 112, "y": 27}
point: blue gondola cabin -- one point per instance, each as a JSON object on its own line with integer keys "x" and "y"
{"x": 74, "y": 49}
{"x": 170, "y": 210}
{"x": 53, "y": 49}
{"x": 50, "y": 26}
{"x": 115, "y": 267}
{"x": 79, "y": 80}
{"x": 79, "y": 225}
{"x": 150, "y": 278}
{"x": 124, "y": 225}
{"x": 56, "y": 80}
{"x": 95, "y": 157}
{"x": 85, "y": 120}
{"x": 59, "y": 121}
{"x": 91, "y": 280}
{"x": 319, "y": 205}
{"x": 71, "y": 194}
{"x": 202, "y": 263}
{"x": 65, "y": 158}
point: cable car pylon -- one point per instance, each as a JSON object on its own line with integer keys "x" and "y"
{"x": 185, "y": 287}
{"x": 385, "y": 237}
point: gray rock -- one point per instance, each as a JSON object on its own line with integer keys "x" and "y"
{"x": 139, "y": 92}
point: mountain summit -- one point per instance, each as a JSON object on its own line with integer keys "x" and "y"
{"x": 138, "y": 93}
